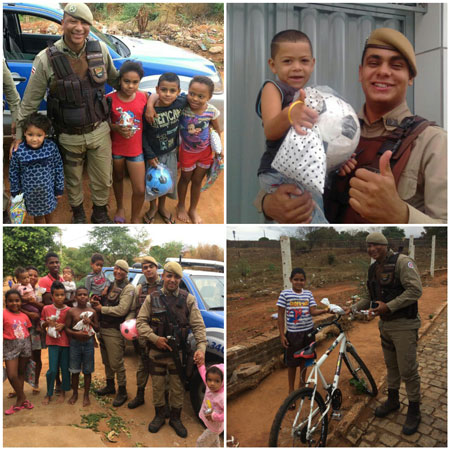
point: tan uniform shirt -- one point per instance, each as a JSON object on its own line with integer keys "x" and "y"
{"x": 10, "y": 91}
{"x": 42, "y": 76}
{"x": 406, "y": 271}
{"x": 124, "y": 307}
{"x": 423, "y": 182}
{"x": 195, "y": 321}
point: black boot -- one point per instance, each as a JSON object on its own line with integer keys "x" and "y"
{"x": 108, "y": 389}
{"x": 167, "y": 406}
{"x": 100, "y": 215}
{"x": 175, "y": 422}
{"x": 79, "y": 216}
{"x": 138, "y": 400}
{"x": 121, "y": 396}
{"x": 391, "y": 404}
{"x": 412, "y": 418}
{"x": 158, "y": 421}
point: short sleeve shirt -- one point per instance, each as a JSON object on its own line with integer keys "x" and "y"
{"x": 298, "y": 317}
{"x": 51, "y": 310}
{"x": 15, "y": 325}
{"x": 47, "y": 281}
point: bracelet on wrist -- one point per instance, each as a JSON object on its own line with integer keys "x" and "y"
{"x": 298, "y": 102}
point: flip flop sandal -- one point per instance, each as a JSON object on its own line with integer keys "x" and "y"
{"x": 13, "y": 410}
{"x": 232, "y": 442}
{"x": 36, "y": 391}
{"x": 168, "y": 220}
{"x": 119, "y": 219}
{"x": 27, "y": 404}
{"x": 148, "y": 219}
{"x": 11, "y": 395}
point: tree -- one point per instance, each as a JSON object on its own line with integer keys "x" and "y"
{"x": 208, "y": 251}
{"x": 27, "y": 245}
{"x": 322, "y": 236}
{"x": 439, "y": 232}
{"x": 393, "y": 232}
{"x": 170, "y": 249}
{"x": 78, "y": 259}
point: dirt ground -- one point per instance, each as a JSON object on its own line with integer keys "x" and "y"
{"x": 55, "y": 425}
{"x": 249, "y": 419}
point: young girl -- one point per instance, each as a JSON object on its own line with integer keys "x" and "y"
{"x": 36, "y": 170}
{"x": 69, "y": 285}
{"x": 212, "y": 409}
{"x": 16, "y": 348}
{"x": 195, "y": 150}
{"x": 295, "y": 307}
{"x": 126, "y": 124}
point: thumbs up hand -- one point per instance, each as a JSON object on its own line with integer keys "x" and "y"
{"x": 374, "y": 195}
{"x": 302, "y": 116}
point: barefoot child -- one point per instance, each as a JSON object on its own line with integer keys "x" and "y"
{"x": 36, "y": 170}
{"x": 212, "y": 409}
{"x": 295, "y": 307}
{"x": 81, "y": 343}
{"x": 196, "y": 155}
{"x": 53, "y": 318}
{"x": 127, "y": 139}
{"x": 16, "y": 348}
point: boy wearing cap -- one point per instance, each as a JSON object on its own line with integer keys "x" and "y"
{"x": 170, "y": 312}
{"x": 394, "y": 288}
{"x": 151, "y": 283}
{"x": 115, "y": 307}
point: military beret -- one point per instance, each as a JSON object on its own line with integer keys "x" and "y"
{"x": 391, "y": 39}
{"x": 149, "y": 260}
{"x": 174, "y": 267}
{"x": 79, "y": 11}
{"x": 122, "y": 264}
{"x": 376, "y": 238}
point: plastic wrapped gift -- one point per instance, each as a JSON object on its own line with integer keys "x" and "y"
{"x": 212, "y": 174}
{"x": 329, "y": 144}
{"x": 81, "y": 326}
{"x": 216, "y": 143}
{"x": 336, "y": 309}
{"x": 18, "y": 211}
{"x": 127, "y": 119}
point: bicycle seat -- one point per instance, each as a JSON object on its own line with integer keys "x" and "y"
{"x": 307, "y": 352}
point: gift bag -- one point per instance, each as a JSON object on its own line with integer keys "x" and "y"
{"x": 18, "y": 211}
{"x": 30, "y": 373}
{"x": 212, "y": 174}
{"x": 216, "y": 143}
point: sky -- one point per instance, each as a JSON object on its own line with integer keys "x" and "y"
{"x": 76, "y": 235}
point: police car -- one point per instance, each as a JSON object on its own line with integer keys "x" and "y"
{"x": 22, "y": 41}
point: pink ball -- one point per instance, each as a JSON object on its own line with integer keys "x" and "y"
{"x": 129, "y": 330}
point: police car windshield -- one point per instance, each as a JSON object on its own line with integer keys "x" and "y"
{"x": 106, "y": 39}
{"x": 211, "y": 289}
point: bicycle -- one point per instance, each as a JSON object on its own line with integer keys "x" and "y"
{"x": 302, "y": 419}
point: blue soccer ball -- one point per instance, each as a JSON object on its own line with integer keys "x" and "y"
{"x": 158, "y": 181}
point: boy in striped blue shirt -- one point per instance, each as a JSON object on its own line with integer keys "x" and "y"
{"x": 296, "y": 307}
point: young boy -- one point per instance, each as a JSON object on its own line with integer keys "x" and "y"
{"x": 81, "y": 344}
{"x": 96, "y": 282}
{"x": 53, "y": 318}
{"x": 160, "y": 138}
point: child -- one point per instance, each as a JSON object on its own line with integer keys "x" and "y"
{"x": 160, "y": 137}
{"x": 296, "y": 306}
{"x": 23, "y": 284}
{"x": 195, "y": 150}
{"x": 293, "y": 63}
{"x": 81, "y": 343}
{"x": 96, "y": 282}
{"x": 127, "y": 139}
{"x": 53, "y": 320}
{"x": 69, "y": 285}
{"x": 212, "y": 409}
{"x": 16, "y": 348}
{"x": 36, "y": 170}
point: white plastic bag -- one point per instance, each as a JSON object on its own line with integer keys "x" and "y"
{"x": 81, "y": 326}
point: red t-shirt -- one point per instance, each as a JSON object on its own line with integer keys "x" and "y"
{"x": 51, "y": 310}
{"x": 15, "y": 325}
{"x": 47, "y": 281}
{"x": 120, "y": 145}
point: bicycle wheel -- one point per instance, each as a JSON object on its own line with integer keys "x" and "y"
{"x": 360, "y": 372}
{"x": 290, "y": 426}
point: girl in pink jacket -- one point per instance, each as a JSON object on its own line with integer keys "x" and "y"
{"x": 212, "y": 409}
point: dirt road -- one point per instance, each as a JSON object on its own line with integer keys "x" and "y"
{"x": 56, "y": 425}
{"x": 251, "y": 414}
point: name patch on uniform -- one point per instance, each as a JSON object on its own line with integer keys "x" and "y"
{"x": 411, "y": 265}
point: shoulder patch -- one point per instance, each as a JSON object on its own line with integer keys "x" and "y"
{"x": 33, "y": 70}
{"x": 410, "y": 265}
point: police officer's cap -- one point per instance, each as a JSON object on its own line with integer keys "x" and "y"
{"x": 149, "y": 260}
{"x": 391, "y": 39}
{"x": 122, "y": 264}
{"x": 79, "y": 11}
{"x": 174, "y": 267}
{"x": 376, "y": 238}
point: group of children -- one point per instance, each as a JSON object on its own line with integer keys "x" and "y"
{"x": 67, "y": 328}
{"x": 140, "y": 139}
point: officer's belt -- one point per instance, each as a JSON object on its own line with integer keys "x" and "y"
{"x": 80, "y": 130}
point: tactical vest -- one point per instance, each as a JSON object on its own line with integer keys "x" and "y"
{"x": 112, "y": 298}
{"x": 368, "y": 153}
{"x": 387, "y": 286}
{"x": 159, "y": 320}
{"x": 76, "y": 102}
{"x": 144, "y": 292}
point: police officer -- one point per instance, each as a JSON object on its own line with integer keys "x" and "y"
{"x": 115, "y": 308}
{"x": 394, "y": 290}
{"x": 170, "y": 312}
{"x": 400, "y": 186}
{"x": 151, "y": 283}
{"x": 13, "y": 100}
{"x": 74, "y": 71}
